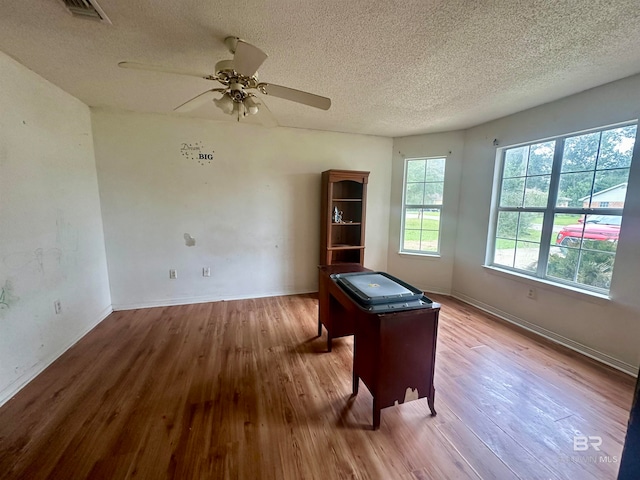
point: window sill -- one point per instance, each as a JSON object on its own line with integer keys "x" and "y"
{"x": 416, "y": 254}
{"x": 587, "y": 295}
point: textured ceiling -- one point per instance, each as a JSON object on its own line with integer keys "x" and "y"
{"x": 391, "y": 68}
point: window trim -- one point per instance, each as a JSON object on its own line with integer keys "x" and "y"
{"x": 579, "y": 293}
{"x": 547, "y": 226}
{"x": 421, "y": 253}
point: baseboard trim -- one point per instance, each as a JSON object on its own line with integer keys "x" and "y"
{"x": 13, "y": 388}
{"x": 208, "y": 298}
{"x": 549, "y": 335}
{"x": 436, "y": 290}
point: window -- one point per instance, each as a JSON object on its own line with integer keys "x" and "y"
{"x": 422, "y": 205}
{"x": 559, "y": 207}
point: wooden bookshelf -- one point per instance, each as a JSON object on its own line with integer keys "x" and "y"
{"x": 343, "y": 241}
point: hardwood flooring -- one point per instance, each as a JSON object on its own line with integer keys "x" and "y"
{"x": 244, "y": 389}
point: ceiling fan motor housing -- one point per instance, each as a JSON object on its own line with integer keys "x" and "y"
{"x": 236, "y": 91}
{"x": 224, "y": 70}
{"x": 237, "y": 83}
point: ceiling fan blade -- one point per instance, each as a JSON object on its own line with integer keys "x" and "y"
{"x": 247, "y": 58}
{"x": 295, "y": 95}
{"x": 158, "y": 68}
{"x": 198, "y": 100}
{"x": 265, "y": 115}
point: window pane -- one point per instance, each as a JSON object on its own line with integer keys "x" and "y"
{"x": 599, "y": 229}
{"x": 610, "y": 188}
{"x": 568, "y": 229}
{"x": 505, "y": 252}
{"x": 530, "y": 226}
{"x": 565, "y": 219}
{"x": 435, "y": 170}
{"x": 580, "y": 152}
{"x": 527, "y": 256}
{"x": 411, "y": 240}
{"x": 507, "y": 225}
{"x": 537, "y": 191}
{"x": 415, "y": 193}
{"x": 415, "y": 170}
{"x": 413, "y": 219}
{"x": 609, "y": 245}
{"x": 515, "y": 162}
{"x": 563, "y": 263}
{"x": 574, "y": 190}
{"x": 525, "y": 226}
{"x": 541, "y": 158}
{"x": 585, "y": 249}
{"x": 596, "y": 266}
{"x": 617, "y": 147}
{"x": 564, "y": 253}
{"x": 431, "y": 219}
{"x": 433, "y": 193}
{"x": 512, "y": 192}
{"x": 429, "y": 241}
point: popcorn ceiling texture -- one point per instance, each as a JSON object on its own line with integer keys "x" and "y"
{"x": 391, "y": 68}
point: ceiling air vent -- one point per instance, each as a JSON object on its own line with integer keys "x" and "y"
{"x": 86, "y": 9}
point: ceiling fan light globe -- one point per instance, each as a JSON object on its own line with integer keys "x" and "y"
{"x": 251, "y": 106}
{"x": 225, "y": 103}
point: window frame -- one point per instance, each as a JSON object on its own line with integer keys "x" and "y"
{"x": 548, "y": 212}
{"x": 439, "y": 207}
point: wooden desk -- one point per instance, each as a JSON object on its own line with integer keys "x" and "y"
{"x": 338, "y": 320}
{"x": 394, "y": 353}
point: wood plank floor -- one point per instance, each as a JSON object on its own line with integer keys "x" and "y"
{"x": 244, "y": 389}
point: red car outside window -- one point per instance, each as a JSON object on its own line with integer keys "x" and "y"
{"x": 597, "y": 227}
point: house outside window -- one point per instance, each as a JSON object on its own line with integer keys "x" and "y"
{"x": 422, "y": 205}
{"x": 559, "y": 206}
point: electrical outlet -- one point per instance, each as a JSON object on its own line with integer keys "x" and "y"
{"x": 206, "y": 272}
{"x": 173, "y": 274}
{"x": 57, "y": 306}
{"x": 531, "y": 293}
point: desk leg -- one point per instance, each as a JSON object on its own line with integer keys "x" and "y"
{"x": 319, "y": 328}
{"x": 356, "y": 383}
{"x": 376, "y": 415}
{"x": 431, "y": 401}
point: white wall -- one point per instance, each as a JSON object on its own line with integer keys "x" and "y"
{"x": 430, "y": 273}
{"x": 51, "y": 240}
{"x": 253, "y": 210}
{"x": 608, "y": 330}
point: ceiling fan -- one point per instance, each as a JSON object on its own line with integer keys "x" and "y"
{"x": 239, "y": 77}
